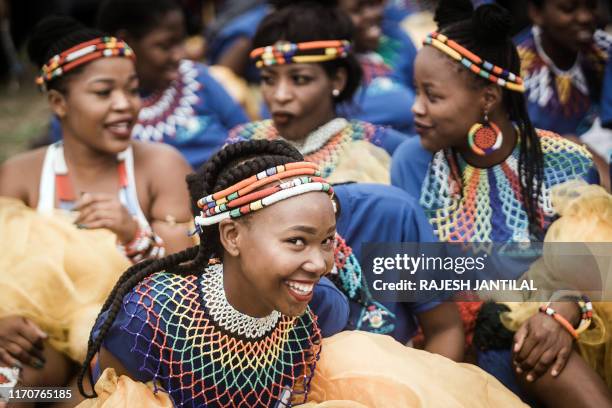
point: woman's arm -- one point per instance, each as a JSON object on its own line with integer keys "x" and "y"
{"x": 443, "y": 331}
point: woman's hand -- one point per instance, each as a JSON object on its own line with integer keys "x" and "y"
{"x": 21, "y": 342}
{"x": 542, "y": 342}
{"x": 99, "y": 210}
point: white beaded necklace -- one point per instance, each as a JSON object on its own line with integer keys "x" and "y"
{"x": 319, "y": 137}
{"x": 225, "y": 315}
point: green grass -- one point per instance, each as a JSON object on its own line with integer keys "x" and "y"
{"x": 24, "y": 116}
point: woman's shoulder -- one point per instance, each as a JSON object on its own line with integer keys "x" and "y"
{"x": 21, "y": 173}
{"x": 157, "y": 157}
{"x": 563, "y": 158}
{"x": 160, "y": 292}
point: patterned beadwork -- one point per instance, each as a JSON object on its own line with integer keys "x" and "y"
{"x": 486, "y": 204}
{"x": 80, "y": 54}
{"x": 284, "y": 52}
{"x": 328, "y": 156}
{"x": 474, "y": 63}
{"x": 204, "y": 356}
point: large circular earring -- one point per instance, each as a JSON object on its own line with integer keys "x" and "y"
{"x": 485, "y": 138}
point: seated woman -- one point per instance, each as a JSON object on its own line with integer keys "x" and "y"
{"x": 374, "y": 213}
{"x": 97, "y": 175}
{"x": 182, "y": 105}
{"x": 481, "y": 171}
{"x": 228, "y": 323}
{"x": 563, "y": 59}
{"x": 303, "y": 91}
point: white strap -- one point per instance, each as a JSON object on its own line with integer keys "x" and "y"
{"x": 46, "y": 188}
{"x": 132, "y": 195}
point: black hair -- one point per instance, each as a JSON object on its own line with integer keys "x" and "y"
{"x": 138, "y": 17}
{"x": 486, "y": 32}
{"x": 233, "y": 163}
{"x": 53, "y": 35}
{"x": 303, "y": 21}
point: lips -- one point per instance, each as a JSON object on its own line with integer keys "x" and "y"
{"x": 282, "y": 118}
{"x": 421, "y": 128}
{"x": 120, "y": 128}
{"x": 300, "y": 290}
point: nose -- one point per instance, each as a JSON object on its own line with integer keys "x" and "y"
{"x": 283, "y": 91}
{"x": 318, "y": 262}
{"x": 418, "y": 107}
{"x": 121, "y": 101}
{"x": 585, "y": 16}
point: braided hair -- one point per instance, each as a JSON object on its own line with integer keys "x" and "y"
{"x": 228, "y": 166}
{"x": 486, "y": 32}
{"x": 53, "y": 35}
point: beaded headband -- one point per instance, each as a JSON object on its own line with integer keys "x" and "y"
{"x": 474, "y": 63}
{"x": 284, "y": 52}
{"x": 80, "y": 54}
{"x": 241, "y": 199}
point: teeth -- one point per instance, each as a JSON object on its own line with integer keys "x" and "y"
{"x": 301, "y": 288}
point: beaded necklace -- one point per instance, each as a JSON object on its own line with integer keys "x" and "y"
{"x": 348, "y": 277}
{"x": 485, "y": 205}
{"x": 164, "y": 112}
{"x": 204, "y": 352}
{"x": 329, "y": 151}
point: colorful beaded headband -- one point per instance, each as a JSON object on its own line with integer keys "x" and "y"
{"x": 284, "y": 52}
{"x": 80, "y": 54}
{"x": 474, "y": 63}
{"x": 241, "y": 199}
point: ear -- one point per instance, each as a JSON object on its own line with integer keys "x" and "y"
{"x": 339, "y": 79}
{"x": 230, "y": 236}
{"x": 57, "y": 101}
{"x": 535, "y": 13}
{"x": 492, "y": 97}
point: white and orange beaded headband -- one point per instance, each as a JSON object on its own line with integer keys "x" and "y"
{"x": 244, "y": 197}
{"x": 102, "y": 47}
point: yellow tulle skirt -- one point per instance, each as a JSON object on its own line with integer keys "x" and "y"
{"x": 356, "y": 370}
{"x": 55, "y": 274}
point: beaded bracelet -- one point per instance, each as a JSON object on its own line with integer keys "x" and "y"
{"x": 560, "y": 319}
{"x": 145, "y": 245}
{"x": 586, "y": 308}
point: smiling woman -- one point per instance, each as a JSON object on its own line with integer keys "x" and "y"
{"x": 96, "y": 178}
{"x": 229, "y": 321}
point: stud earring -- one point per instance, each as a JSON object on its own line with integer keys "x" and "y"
{"x": 335, "y": 93}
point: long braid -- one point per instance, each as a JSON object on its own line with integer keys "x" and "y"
{"x": 226, "y": 167}
{"x": 485, "y": 32}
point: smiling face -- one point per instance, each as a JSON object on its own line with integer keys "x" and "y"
{"x": 447, "y": 102}
{"x": 101, "y": 104}
{"x": 299, "y": 97}
{"x": 278, "y": 254}
{"x": 568, "y": 24}
{"x": 160, "y": 51}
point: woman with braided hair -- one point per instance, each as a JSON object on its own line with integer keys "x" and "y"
{"x": 227, "y": 323}
{"x": 308, "y": 70}
{"x": 483, "y": 173}
{"x": 99, "y": 199}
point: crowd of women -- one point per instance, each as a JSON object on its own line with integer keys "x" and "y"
{"x": 167, "y": 248}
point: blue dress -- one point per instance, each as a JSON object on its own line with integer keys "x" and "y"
{"x": 194, "y": 115}
{"x": 372, "y": 213}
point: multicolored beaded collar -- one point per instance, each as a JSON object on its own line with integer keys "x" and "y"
{"x": 474, "y": 63}
{"x": 102, "y": 47}
{"x": 242, "y": 198}
{"x": 284, "y": 52}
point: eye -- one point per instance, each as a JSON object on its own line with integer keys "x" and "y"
{"x": 329, "y": 242}
{"x": 267, "y": 80}
{"x": 298, "y": 242}
{"x": 431, "y": 97}
{"x": 134, "y": 91}
{"x": 301, "y": 79}
{"x": 103, "y": 93}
